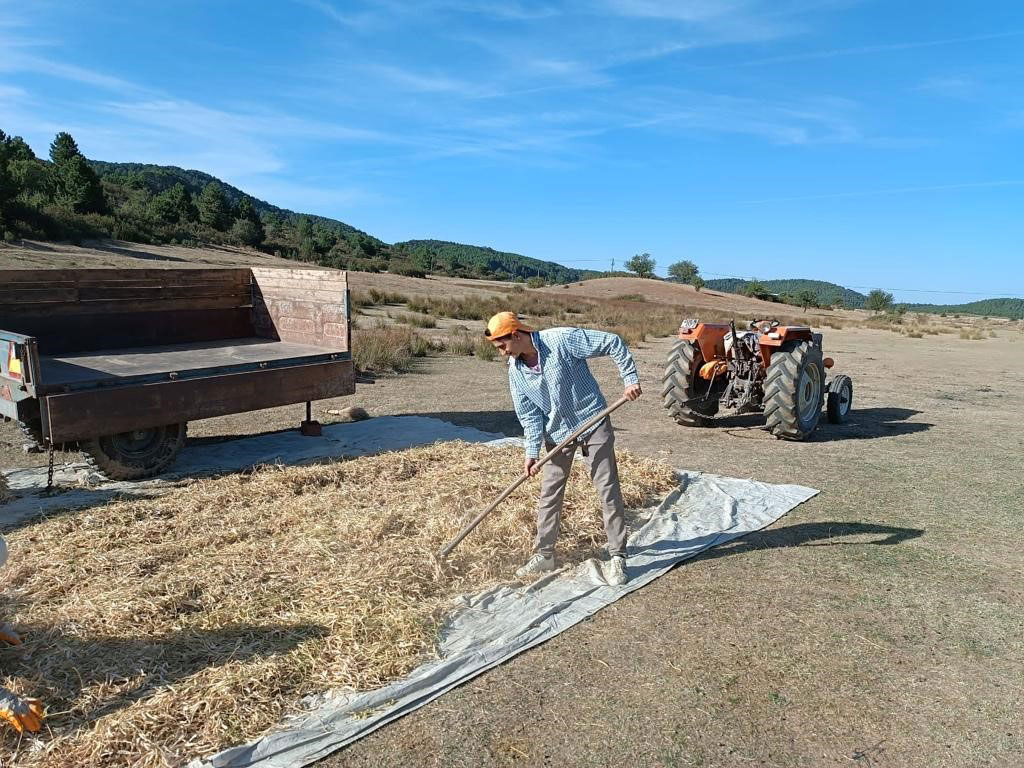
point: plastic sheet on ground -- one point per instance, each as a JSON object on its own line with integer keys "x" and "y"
{"x": 492, "y": 627}
{"x": 78, "y": 485}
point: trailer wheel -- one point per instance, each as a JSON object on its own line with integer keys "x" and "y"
{"x": 680, "y": 385}
{"x": 794, "y": 390}
{"x": 840, "y": 399}
{"x": 136, "y": 454}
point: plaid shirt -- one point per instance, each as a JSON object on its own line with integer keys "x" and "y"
{"x": 564, "y": 394}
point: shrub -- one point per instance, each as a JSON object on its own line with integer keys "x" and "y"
{"x": 535, "y": 282}
{"x": 390, "y": 349}
{"x": 485, "y": 350}
{"x": 460, "y": 344}
{"x": 415, "y": 319}
{"x": 406, "y": 268}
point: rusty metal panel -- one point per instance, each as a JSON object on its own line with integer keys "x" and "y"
{"x": 80, "y": 415}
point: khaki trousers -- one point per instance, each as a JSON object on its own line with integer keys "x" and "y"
{"x": 599, "y": 453}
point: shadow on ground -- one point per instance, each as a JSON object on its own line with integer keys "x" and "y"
{"x": 109, "y": 247}
{"x": 824, "y": 534}
{"x": 864, "y": 424}
{"x": 504, "y": 422}
{"x": 65, "y": 664}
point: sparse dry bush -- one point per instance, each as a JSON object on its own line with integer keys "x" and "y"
{"x": 390, "y": 349}
{"x": 415, "y": 319}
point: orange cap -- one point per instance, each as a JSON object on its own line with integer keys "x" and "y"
{"x": 503, "y": 324}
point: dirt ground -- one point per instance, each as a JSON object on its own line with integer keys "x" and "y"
{"x": 879, "y": 624}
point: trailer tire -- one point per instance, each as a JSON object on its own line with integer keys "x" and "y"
{"x": 136, "y": 454}
{"x": 794, "y": 388}
{"x": 679, "y": 386}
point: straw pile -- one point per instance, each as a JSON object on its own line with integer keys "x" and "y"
{"x": 163, "y": 629}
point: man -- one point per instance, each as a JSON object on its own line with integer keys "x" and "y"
{"x": 554, "y": 392}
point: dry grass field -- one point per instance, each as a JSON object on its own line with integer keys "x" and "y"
{"x": 879, "y": 624}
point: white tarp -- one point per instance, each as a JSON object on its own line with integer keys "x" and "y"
{"x": 494, "y": 626}
{"x": 78, "y": 485}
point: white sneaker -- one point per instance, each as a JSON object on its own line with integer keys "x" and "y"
{"x": 538, "y": 563}
{"x": 615, "y": 573}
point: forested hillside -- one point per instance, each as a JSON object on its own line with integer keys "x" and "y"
{"x": 1011, "y": 308}
{"x": 71, "y": 198}
{"x": 457, "y": 257}
{"x": 824, "y": 293}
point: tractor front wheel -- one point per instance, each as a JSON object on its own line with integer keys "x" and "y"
{"x": 840, "y": 399}
{"x": 136, "y": 454}
{"x": 794, "y": 388}
{"x": 681, "y": 393}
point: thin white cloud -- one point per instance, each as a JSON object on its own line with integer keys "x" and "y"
{"x": 952, "y": 87}
{"x": 406, "y": 79}
{"x": 893, "y": 191}
{"x": 351, "y": 20}
{"x": 865, "y": 50}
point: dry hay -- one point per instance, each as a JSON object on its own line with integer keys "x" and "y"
{"x": 162, "y": 629}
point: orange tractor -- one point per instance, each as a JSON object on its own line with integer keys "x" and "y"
{"x": 777, "y": 370}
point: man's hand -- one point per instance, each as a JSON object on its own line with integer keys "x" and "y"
{"x": 530, "y": 467}
{"x": 22, "y": 714}
{"x": 632, "y": 392}
{"x": 8, "y": 636}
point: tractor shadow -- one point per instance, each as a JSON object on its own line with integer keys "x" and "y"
{"x": 863, "y": 424}
{"x": 63, "y": 666}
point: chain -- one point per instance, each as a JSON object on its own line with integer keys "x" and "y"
{"x": 49, "y": 471}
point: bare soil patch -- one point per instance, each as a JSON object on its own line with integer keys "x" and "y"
{"x": 879, "y": 624}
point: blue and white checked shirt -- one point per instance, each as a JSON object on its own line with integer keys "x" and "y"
{"x": 564, "y": 394}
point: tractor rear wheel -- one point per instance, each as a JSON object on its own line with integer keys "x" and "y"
{"x": 794, "y": 388}
{"x": 680, "y": 387}
{"x": 840, "y": 399}
{"x": 136, "y": 454}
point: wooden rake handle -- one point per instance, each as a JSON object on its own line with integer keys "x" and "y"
{"x": 525, "y": 476}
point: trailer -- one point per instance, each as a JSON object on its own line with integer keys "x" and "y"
{"x": 117, "y": 362}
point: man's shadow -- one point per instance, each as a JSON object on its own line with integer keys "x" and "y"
{"x": 822, "y": 534}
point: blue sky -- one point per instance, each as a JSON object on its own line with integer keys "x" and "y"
{"x": 867, "y": 143}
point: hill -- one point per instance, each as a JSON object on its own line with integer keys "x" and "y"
{"x": 72, "y": 198}
{"x": 453, "y": 258}
{"x": 1011, "y": 308}
{"x": 825, "y": 293}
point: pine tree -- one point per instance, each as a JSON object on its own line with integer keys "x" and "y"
{"x": 63, "y": 148}
{"x": 213, "y": 207}
{"x": 76, "y": 187}
{"x": 173, "y": 205}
